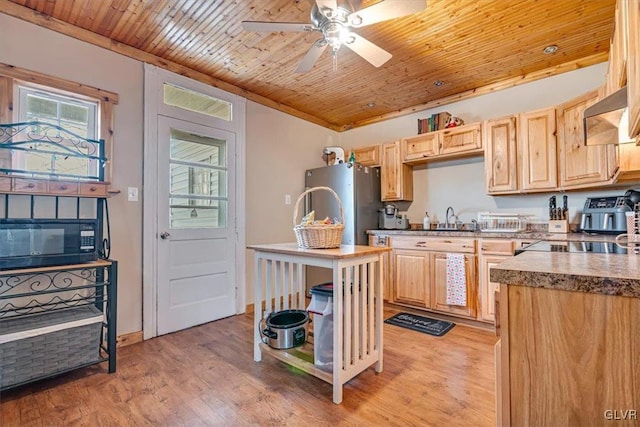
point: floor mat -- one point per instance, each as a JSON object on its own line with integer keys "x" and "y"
{"x": 421, "y": 324}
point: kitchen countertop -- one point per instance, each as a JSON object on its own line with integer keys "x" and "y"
{"x": 608, "y": 274}
{"x": 524, "y": 235}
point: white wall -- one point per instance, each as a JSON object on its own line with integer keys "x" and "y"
{"x": 279, "y": 149}
{"x": 461, "y": 183}
{"x": 38, "y": 49}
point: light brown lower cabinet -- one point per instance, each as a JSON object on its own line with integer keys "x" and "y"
{"x": 567, "y": 358}
{"x": 411, "y": 277}
{"x": 439, "y": 286}
{"x": 491, "y": 252}
{"x": 420, "y": 273}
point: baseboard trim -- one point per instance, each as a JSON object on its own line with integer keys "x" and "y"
{"x": 128, "y": 339}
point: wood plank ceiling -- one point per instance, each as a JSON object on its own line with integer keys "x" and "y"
{"x": 472, "y": 46}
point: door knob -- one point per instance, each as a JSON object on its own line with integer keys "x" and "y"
{"x": 164, "y": 235}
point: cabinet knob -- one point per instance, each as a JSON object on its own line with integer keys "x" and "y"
{"x": 164, "y": 235}
{"x": 31, "y": 185}
{"x": 63, "y": 187}
{"x": 92, "y": 189}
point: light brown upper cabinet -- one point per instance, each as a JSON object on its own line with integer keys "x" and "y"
{"x": 396, "y": 177}
{"x": 633, "y": 66}
{"x": 500, "y": 155}
{"x": 462, "y": 139}
{"x": 580, "y": 165}
{"x": 458, "y": 141}
{"x": 520, "y": 153}
{"x": 618, "y": 50}
{"x": 368, "y": 156}
{"x": 418, "y": 148}
{"x": 537, "y": 150}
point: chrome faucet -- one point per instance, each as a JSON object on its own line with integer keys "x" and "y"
{"x": 447, "y": 224}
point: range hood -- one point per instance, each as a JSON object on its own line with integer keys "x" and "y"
{"x": 604, "y": 121}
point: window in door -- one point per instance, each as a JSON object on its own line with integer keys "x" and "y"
{"x": 198, "y": 191}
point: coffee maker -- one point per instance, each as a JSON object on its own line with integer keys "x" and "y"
{"x": 389, "y": 219}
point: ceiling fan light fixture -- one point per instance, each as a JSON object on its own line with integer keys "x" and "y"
{"x": 355, "y": 20}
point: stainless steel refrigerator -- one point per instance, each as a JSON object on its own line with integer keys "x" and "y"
{"x": 358, "y": 188}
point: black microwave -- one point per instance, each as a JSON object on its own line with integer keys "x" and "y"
{"x": 27, "y": 243}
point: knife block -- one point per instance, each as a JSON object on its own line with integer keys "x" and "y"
{"x": 559, "y": 226}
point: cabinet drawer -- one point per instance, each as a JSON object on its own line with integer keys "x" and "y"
{"x": 63, "y": 187}
{"x": 420, "y": 147}
{"x": 463, "y": 138}
{"x": 368, "y": 156}
{"x": 29, "y": 186}
{"x": 503, "y": 247}
{"x": 94, "y": 189}
{"x": 439, "y": 244}
{"x": 5, "y": 183}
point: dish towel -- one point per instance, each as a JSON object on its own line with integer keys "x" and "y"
{"x": 456, "y": 280}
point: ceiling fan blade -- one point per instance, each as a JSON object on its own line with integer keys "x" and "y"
{"x": 311, "y": 56}
{"x": 385, "y": 10}
{"x": 276, "y": 26}
{"x": 325, "y": 5}
{"x": 369, "y": 51}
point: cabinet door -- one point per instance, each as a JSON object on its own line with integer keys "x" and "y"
{"x": 460, "y": 139}
{"x": 368, "y": 156}
{"x": 396, "y": 178}
{"x": 487, "y": 287}
{"x": 386, "y": 265}
{"x": 500, "y": 155}
{"x": 410, "y": 281}
{"x": 617, "y": 71}
{"x": 420, "y": 147}
{"x": 579, "y": 164}
{"x": 439, "y": 286}
{"x": 537, "y": 148}
{"x": 633, "y": 67}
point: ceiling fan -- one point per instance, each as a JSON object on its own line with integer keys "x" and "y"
{"x": 334, "y": 18}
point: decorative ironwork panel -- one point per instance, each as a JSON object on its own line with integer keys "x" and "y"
{"x": 61, "y": 154}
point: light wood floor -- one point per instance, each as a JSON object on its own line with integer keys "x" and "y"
{"x": 206, "y": 376}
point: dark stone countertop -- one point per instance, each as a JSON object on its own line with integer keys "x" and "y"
{"x": 608, "y": 274}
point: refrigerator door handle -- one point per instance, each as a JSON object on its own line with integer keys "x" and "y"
{"x": 307, "y": 203}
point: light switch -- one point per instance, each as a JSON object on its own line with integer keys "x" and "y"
{"x": 132, "y": 194}
{"x": 287, "y": 199}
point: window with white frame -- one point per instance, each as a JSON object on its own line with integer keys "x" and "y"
{"x": 73, "y": 113}
{"x": 73, "y": 120}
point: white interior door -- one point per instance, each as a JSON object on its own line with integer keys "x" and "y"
{"x": 196, "y": 224}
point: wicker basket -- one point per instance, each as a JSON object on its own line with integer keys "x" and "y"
{"x": 323, "y": 236}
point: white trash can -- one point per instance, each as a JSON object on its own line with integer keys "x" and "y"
{"x": 321, "y": 307}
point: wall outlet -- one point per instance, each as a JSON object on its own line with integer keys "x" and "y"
{"x": 132, "y": 194}
{"x": 287, "y": 199}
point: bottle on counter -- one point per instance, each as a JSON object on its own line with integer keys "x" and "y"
{"x": 426, "y": 222}
{"x": 352, "y": 157}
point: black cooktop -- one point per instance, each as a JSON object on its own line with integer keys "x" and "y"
{"x": 582, "y": 246}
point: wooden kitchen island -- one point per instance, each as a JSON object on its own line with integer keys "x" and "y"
{"x": 357, "y": 310}
{"x": 569, "y": 348}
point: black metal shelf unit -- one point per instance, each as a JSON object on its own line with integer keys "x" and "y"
{"x": 31, "y": 294}
{"x": 34, "y": 292}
